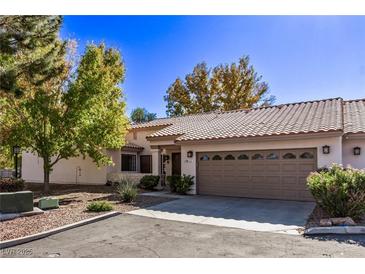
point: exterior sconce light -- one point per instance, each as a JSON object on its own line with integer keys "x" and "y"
{"x": 166, "y": 158}
{"x": 16, "y": 151}
{"x": 357, "y": 151}
{"x": 189, "y": 154}
{"x": 326, "y": 149}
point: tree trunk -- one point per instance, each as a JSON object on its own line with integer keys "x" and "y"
{"x": 46, "y": 172}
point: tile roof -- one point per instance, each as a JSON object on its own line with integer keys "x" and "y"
{"x": 354, "y": 116}
{"x": 295, "y": 118}
{"x": 130, "y": 145}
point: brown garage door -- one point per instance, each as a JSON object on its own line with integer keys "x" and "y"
{"x": 273, "y": 174}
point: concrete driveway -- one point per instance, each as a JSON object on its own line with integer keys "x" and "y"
{"x": 251, "y": 214}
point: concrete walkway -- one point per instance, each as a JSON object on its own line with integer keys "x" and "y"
{"x": 250, "y": 214}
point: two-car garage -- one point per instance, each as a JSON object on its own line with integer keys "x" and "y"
{"x": 271, "y": 174}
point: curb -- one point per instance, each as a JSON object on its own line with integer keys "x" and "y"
{"x": 26, "y": 239}
{"x": 335, "y": 230}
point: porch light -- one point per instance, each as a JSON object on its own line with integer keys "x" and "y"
{"x": 189, "y": 154}
{"x": 357, "y": 151}
{"x": 16, "y": 150}
{"x": 326, "y": 149}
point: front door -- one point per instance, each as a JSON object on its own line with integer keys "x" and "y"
{"x": 176, "y": 163}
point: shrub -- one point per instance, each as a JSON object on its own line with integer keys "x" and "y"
{"x": 11, "y": 185}
{"x": 127, "y": 191}
{"x": 339, "y": 191}
{"x": 172, "y": 181}
{"x": 149, "y": 182}
{"x": 180, "y": 184}
{"x": 99, "y": 206}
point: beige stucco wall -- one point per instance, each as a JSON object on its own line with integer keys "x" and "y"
{"x": 141, "y": 140}
{"x": 349, "y": 158}
{"x": 71, "y": 171}
{"x": 188, "y": 165}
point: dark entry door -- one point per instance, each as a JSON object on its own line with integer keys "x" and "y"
{"x": 176, "y": 163}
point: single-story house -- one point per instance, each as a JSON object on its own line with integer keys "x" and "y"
{"x": 264, "y": 152}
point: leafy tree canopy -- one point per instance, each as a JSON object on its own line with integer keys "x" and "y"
{"x": 75, "y": 113}
{"x": 224, "y": 87}
{"x": 139, "y": 115}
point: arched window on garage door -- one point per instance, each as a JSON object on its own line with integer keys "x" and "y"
{"x": 306, "y": 155}
{"x": 216, "y": 158}
{"x": 204, "y": 158}
{"x": 229, "y": 157}
{"x": 243, "y": 157}
{"x": 289, "y": 156}
{"x": 257, "y": 156}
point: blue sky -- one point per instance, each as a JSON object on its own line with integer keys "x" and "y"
{"x": 301, "y": 58}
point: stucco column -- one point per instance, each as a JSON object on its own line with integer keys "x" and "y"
{"x": 156, "y": 162}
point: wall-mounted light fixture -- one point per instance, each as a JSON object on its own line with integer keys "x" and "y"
{"x": 357, "y": 151}
{"x": 189, "y": 154}
{"x": 166, "y": 158}
{"x": 326, "y": 149}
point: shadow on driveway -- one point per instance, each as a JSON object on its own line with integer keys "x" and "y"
{"x": 251, "y": 214}
{"x": 358, "y": 240}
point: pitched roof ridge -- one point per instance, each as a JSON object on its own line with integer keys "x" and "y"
{"x": 241, "y": 110}
{"x": 354, "y": 100}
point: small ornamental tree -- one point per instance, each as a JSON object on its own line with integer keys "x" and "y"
{"x": 76, "y": 114}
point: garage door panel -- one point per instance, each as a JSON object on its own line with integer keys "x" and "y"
{"x": 272, "y": 168}
{"x": 289, "y": 167}
{"x": 276, "y": 174}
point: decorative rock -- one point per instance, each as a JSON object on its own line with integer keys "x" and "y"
{"x": 342, "y": 221}
{"x": 325, "y": 222}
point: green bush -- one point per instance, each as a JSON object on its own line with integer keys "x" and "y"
{"x": 172, "y": 181}
{"x": 339, "y": 191}
{"x": 127, "y": 191}
{"x": 149, "y": 182}
{"x": 11, "y": 185}
{"x": 180, "y": 184}
{"x": 99, "y": 206}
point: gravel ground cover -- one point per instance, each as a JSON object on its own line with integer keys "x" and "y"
{"x": 73, "y": 202}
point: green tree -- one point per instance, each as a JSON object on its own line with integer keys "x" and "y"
{"x": 225, "y": 87}
{"x": 78, "y": 114}
{"x": 6, "y": 160}
{"x": 139, "y": 115}
{"x": 29, "y": 49}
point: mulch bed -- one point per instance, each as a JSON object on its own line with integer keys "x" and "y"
{"x": 73, "y": 202}
{"x": 318, "y": 213}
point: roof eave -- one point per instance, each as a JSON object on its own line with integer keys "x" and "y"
{"x": 304, "y": 135}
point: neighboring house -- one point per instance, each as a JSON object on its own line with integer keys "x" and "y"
{"x": 264, "y": 152}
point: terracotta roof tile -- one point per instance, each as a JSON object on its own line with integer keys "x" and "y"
{"x": 354, "y": 116}
{"x": 132, "y": 146}
{"x": 295, "y": 118}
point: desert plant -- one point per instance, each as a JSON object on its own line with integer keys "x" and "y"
{"x": 98, "y": 206}
{"x": 180, "y": 184}
{"x": 127, "y": 190}
{"x": 149, "y": 182}
{"x": 339, "y": 191}
{"x": 11, "y": 185}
